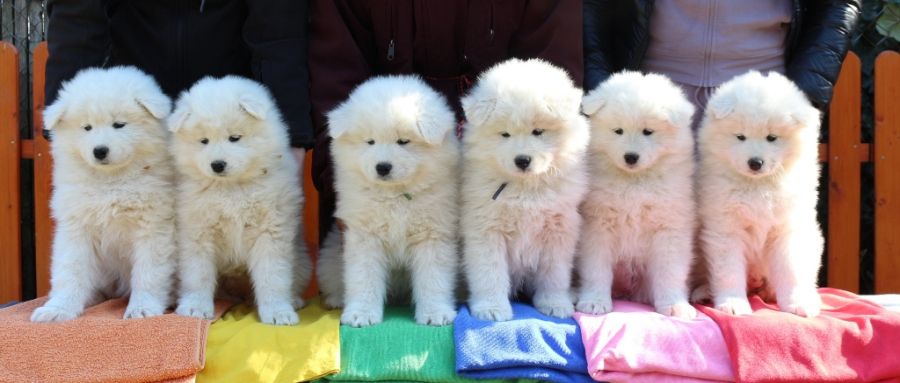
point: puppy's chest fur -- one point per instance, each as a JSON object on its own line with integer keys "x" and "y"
{"x": 758, "y": 211}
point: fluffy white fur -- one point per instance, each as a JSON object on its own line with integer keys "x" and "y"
{"x": 524, "y": 240}
{"x": 245, "y": 218}
{"x": 115, "y": 214}
{"x": 639, "y": 216}
{"x": 402, "y": 224}
{"x": 760, "y": 225}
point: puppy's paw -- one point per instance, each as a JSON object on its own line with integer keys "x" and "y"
{"x": 278, "y": 314}
{"x": 356, "y": 317}
{"x": 493, "y": 311}
{"x": 435, "y": 315}
{"x": 196, "y": 307}
{"x": 806, "y": 305}
{"x": 559, "y": 307}
{"x": 47, "y": 314}
{"x": 298, "y": 303}
{"x": 701, "y": 294}
{"x": 332, "y": 301}
{"x": 681, "y": 310}
{"x": 594, "y": 305}
{"x": 143, "y": 308}
{"x": 735, "y": 306}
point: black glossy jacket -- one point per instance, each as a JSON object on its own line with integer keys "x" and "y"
{"x": 617, "y": 32}
{"x": 181, "y": 41}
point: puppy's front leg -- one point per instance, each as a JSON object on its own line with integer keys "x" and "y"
{"x": 727, "y": 267}
{"x": 197, "y": 272}
{"x": 434, "y": 280}
{"x": 272, "y": 267}
{"x": 75, "y": 275}
{"x": 595, "y": 268}
{"x": 793, "y": 269}
{"x": 554, "y": 277}
{"x": 365, "y": 279}
{"x": 668, "y": 269}
{"x": 151, "y": 274}
{"x": 488, "y": 277}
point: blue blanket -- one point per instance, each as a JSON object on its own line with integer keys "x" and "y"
{"x": 530, "y": 346}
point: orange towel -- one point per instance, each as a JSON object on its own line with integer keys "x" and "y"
{"x": 100, "y": 346}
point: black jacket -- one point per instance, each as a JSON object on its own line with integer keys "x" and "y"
{"x": 617, "y": 32}
{"x": 181, "y": 41}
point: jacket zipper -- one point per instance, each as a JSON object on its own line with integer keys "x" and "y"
{"x": 390, "y": 50}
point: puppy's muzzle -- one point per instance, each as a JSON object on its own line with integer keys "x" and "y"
{"x": 100, "y": 152}
{"x": 522, "y": 162}
{"x": 383, "y": 169}
{"x": 755, "y": 163}
{"x": 218, "y": 166}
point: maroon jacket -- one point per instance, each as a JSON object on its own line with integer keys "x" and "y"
{"x": 447, "y": 42}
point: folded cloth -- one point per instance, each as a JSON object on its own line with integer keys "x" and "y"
{"x": 397, "y": 350}
{"x": 852, "y": 340}
{"x": 888, "y": 301}
{"x": 240, "y": 348}
{"x": 530, "y": 346}
{"x": 634, "y": 343}
{"x": 100, "y": 346}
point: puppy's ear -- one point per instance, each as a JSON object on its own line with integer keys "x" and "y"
{"x": 478, "y": 111}
{"x": 179, "y": 116}
{"x": 254, "y": 106}
{"x": 54, "y": 112}
{"x": 338, "y": 121}
{"x": 593, "y": 102}
{"x": 433, "y": 127}
{"x": 720, "y": 107}
{"x": 679, "y": 113}
{"x": 563, "y": 105}
{"x": 157, "y": 104}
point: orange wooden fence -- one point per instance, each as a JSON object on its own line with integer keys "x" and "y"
{"x": 844, "y": 154}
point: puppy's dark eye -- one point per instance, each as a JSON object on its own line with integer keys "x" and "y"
{"x": 741, "y": 137}
{"x": 234, "y": 138}
{"x": 402, "y": 142}
{"x": 204, "y": 141}
{"x": 619, "y": 131}
{"x": 648, "y": 132}
{"x": 537, "y": 132}
{"x": 118, "y": 125}
{"x": 771, "y": 138}
{"x": 505, "y": 134}
{"x": 371, "y": 142}
{"x": 87, "y": 128}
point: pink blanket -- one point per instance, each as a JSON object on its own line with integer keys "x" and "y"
{"x": 853, "y": 340}
{"x": 635, "y": 344}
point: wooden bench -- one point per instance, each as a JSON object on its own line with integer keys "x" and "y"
{"x": 844, "y": 155}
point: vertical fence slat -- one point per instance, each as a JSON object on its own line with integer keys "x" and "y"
{"x": 43, "y": 169}
{"x": 10, "y": 208}
{"x": 844, "y": 178}
{"x": 310, "y": 219}
{"x": 887, "y": 173}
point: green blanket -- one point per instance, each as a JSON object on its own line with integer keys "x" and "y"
{"x": 398, "y": 350}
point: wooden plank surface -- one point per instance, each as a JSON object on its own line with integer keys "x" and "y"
{"x": 887, "y": 173}
{"x": 10, "y": 200}
{"x": 844, "y": 178}
{"x": 43, "y": 169}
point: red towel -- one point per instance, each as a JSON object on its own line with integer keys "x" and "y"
{"x": 853, "y": 340}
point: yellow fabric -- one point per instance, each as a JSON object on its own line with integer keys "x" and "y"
{"x": 240, "y": 348}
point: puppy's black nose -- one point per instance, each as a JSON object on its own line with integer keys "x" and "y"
{"x": 632, "y": 158}
{"x": 218, "y": 166}
{"x": 755, "y": 163}
{"x": 383, "y": 168}
{"x": 100, "y": 152}
{"x": 523, "y": 161}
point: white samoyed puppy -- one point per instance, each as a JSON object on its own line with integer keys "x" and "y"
{"x": 113, "y": 198}
{"x": 638, "y": 237}
{"x": 397, "y": 178}
{"x": 523, "y": 178}
{"x": 758, "y": 181}
{"x": 239, "y": 199}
